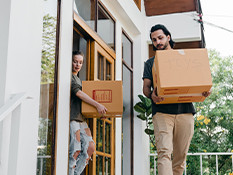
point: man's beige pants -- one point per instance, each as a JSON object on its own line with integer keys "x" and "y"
{"x": 173, "y": 134}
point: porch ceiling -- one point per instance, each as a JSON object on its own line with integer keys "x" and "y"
{"x": 161, "y": 7}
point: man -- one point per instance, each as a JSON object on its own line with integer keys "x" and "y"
{"x": 173, "y": 123}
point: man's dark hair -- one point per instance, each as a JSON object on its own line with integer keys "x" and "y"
{"x": 165, "y": 31}
{"x": 77, "y": 53}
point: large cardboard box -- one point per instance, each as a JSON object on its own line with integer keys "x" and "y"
{"x": 182, "y": 75}
{"x": 108, "y": 93}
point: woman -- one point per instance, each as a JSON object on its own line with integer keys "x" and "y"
{"x": 82, "y": 145}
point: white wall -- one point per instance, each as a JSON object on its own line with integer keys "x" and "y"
{"x": 21, "y": 55}
{"x": 181, "y": 25}
{"x": 64, "y": 77}
{"x": 132, "y": 21}
{"x": 4, "y": 36}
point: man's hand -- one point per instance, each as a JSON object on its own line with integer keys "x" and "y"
{"x": 206, "y": 94}
{"x": 156, "y": 98}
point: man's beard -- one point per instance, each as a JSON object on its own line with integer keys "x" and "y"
{"x": 163, "y": 48}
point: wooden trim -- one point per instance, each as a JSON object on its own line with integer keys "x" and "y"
{"x": 96, "y": 48}
{"x": 132, "y": 127}
{"x": 138, "y": 3}
{"x": 103, "y": 154}
{"x": 94, "y": 35}
{"x": 87, "y": 54}
{"x": 92, "y": 62}
{"x": 94, "y": 154}
{"x": 113, "y": 147}
{"x": 56, "y": 90}
{"x": 126, "y": 65}
{"x": 153, "y": 8}
{"x": 88, "y": 59}
{"x": 106, "y": 9}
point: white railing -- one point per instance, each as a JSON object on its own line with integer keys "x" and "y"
{"x": 201, "y": 156}
{"x": 9, "y": 133}
{"x": 40, "y": 160}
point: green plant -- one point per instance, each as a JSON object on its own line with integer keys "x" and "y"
{"x": 144, "y": 108}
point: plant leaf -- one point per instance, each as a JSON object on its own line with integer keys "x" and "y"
{"x": 142, "y": 116}
{"x": 149, "y": 131}
{"x": 139, "y": 107}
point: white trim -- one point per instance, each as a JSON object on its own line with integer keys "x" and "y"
{"x": 11, "y": 104}
{"x": 64, "y": 77}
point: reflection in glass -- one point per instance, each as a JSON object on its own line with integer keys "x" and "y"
{"x": 80, "y": 43}
{"x": 45, "y": 131}
{"x": 107, "y": 166}
{"x": 107, "y": 138}
{"x": 126, "y": 119}
{"x": 99, "y": 164}
{"x": 126, "y": 50}
{"x": 106, "y": 27}
{"x": 100, "y": 67}
{"x": 108, "y": 71}
{"x": 86, "y": 9}
{"x": 99, "y": 135}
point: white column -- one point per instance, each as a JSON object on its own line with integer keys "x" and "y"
{"x": 5, "y": 8}
{"x": 4, "y": 125}
{"x": 21, "y": 73}
{"x": 141, "y": 140}
{"x": 4, "y": 151}
{"x": 118, "y": 124}
{"x": 64, "y": 73}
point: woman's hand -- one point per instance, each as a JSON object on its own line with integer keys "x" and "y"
{"x": 101, "y": 108}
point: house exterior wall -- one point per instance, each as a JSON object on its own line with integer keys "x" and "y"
{"x": 20, "y": 51}
{"x": 64, "y": 77}
{"x": 20, "y": 48}
{"x": 182, "y": 26}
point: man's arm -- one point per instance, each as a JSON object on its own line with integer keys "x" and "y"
{"x": 147, "y": 83}
{"x": 147, "y": 87}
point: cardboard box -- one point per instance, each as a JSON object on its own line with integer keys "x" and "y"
{"x": 108, "y": 93}
{"x": 182, "y": 75}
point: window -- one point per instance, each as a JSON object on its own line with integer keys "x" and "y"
{"x": 127, "y": 119}
{"x": 48, "y": 87}
{"x": 100, "y": 65}
{"x": 98, "y": 18}
{"x": 86, "y": 9}
{"x": 106, "y": 26}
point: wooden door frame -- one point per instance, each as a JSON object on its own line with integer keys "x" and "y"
{"x": 95, "y": 45}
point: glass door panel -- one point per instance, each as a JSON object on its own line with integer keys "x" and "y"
{"x": 101, "y": 63}
{"x": 86, "y": 9}
{"x": 46, "y": 142}
{"x": 102, "y": 68}
{"x": 107, "y": 164}
{"x": 108, "y": 71}
{"x": 99, "y": 165}
{"x": 107, "y": 138}
{"x": 99, "y": 136}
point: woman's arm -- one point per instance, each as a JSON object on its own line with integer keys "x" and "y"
{"x": 84, "y": 97}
